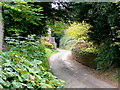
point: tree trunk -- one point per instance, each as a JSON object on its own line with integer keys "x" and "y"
{"x": 1, "y": 28}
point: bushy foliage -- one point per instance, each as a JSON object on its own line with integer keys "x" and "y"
{"x": 58, "y": 26}
{"x": 29, "y": 47}
{"x": 58, "y": 29}
{"x": 77, "y": 30}
{"x": 104, "y": 18}
{"x": 25, "y": 66}
{"x": 18, "y": 72}
{"x": 108, "y": 56}
{"x": 23, "y": 18}
{"x": 91, "y": 50}
{"x": 47, "y": 44}
{"x": 50, "y": 52}
{"x": 64, "y": 42}
{"x": 76, "y": 36}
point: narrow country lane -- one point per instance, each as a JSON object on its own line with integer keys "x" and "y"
{"x": 74, "y": 73}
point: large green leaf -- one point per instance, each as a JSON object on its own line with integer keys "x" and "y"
{"x": 1, "y": 86}
{"x": 2, "y": 81}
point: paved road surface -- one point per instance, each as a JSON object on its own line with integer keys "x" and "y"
{"x": 73, "y": 72}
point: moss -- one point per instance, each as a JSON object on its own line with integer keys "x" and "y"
{"x": 85, "y": 58}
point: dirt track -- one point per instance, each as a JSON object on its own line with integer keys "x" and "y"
{"x": 73, "y": 72}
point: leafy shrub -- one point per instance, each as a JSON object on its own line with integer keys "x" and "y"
{"x": 84, "y": 57}
{"x": 107, "y": 57}
{"x": 25, "y": 66}
{"x": 50, "y": 52}
{"x": 89, "y": 50}
{"x": 30, "y": 48}
{"x": 64, "y": 42}
{"x": 47, "y": 44}
{"x": 18, "y": 72}
{"x": 58, "y": 30}
{"x": 80, "y": 45}
{"x": 77, "y": 30}
{"x": 23, "y": 18}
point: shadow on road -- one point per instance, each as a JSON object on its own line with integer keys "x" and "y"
{"x": 74, "y": 73}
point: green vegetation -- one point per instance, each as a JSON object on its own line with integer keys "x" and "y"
{"x": 23, "y": 18}
{"x": 66, "y": 43}
{"x": 47, "y": 44}
{"x": 50, "y": 52}
{"x": 25, "y": 66}
{"x": 108, "y": 57}
{"x": 77, "y": 30}
{"x": 58, "y": 29}
{"x": 104, "y": 33}
{"x": 89, "y": 50}
{"x": 104, "y": 19}
{"x": 75, "y": 36}
{"x": 90, "y": 27}
{"x": 25, "y": 63}
{"x": 18, "y": 72}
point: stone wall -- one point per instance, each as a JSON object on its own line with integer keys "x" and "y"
{"x": 87, "y": 59}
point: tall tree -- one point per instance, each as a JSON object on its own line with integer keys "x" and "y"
{"x": 23, "y": 18}
{"x": 104, "y": 18}
{"x": 1, "y": 28}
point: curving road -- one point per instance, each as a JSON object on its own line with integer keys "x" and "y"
{"x": 74, "y": 73}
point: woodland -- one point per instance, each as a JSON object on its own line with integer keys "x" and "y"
{"x": 24, "y": 55}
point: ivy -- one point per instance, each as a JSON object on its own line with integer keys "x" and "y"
{"x": 25, "y": 65}
{"x": 18, "y": 72}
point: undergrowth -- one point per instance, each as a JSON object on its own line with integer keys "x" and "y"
{"x": 25, "y": 66}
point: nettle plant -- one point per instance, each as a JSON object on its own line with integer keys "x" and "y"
{"x": 21, "y": 68}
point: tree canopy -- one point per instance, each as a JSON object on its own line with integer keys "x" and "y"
{"x": 23, "y": 18}
{"x": 104, "y": 17}
{"x": 77, "y": 30}
{"x": 32, "y": 17}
